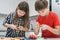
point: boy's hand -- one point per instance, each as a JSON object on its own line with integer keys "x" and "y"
{"x": 44, "y": 27}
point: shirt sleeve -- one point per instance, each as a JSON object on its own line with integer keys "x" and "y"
{"x": 56, "y": 20}
{"x": 7, "y": 19}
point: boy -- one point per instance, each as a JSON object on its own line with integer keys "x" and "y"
{"x": 47, "y": 20}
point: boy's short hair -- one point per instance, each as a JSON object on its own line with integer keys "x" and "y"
{"x": 41, "y": 4}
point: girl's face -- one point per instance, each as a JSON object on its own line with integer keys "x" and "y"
{"x": 20, "y": 13}
{"x": 44, "y": 12}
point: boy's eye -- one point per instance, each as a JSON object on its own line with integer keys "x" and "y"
{"x": 38, "y": 11}
{"x": 43, "y": 11}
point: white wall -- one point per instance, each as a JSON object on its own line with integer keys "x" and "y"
{"x": 32, "y": 7}
{"x": 56, "y": 7}
{"x": 7, "y": 6}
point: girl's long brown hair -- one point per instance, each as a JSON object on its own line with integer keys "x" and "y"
{"x": 24, "y": 7}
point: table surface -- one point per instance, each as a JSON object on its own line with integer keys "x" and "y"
{"x": 18, "y": 38}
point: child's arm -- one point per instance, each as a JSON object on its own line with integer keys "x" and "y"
{"x": 36, "y": 30}
{"x": 10, "y": 26}
{"x": 26, "y": 29}
{"x": 53, "y": 30}
{"x": 23, "y": 28}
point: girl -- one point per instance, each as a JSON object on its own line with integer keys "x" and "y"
{"x": 17, "y": 22}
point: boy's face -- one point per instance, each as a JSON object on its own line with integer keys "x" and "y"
{"x": 43, "y": 12}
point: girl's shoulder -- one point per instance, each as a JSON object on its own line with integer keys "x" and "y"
{"x": 10, "y": 15}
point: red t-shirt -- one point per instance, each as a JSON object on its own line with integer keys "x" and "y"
{"x": 51, "y": 20}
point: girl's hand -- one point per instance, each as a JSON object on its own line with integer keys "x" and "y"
{"x": 21, "y": 28}
{"x": 13, "y": 27}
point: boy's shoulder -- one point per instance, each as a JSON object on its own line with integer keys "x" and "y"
{"x": 52, "y": 13}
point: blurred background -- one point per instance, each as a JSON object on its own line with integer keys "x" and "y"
{"x": 7, "y": 6}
